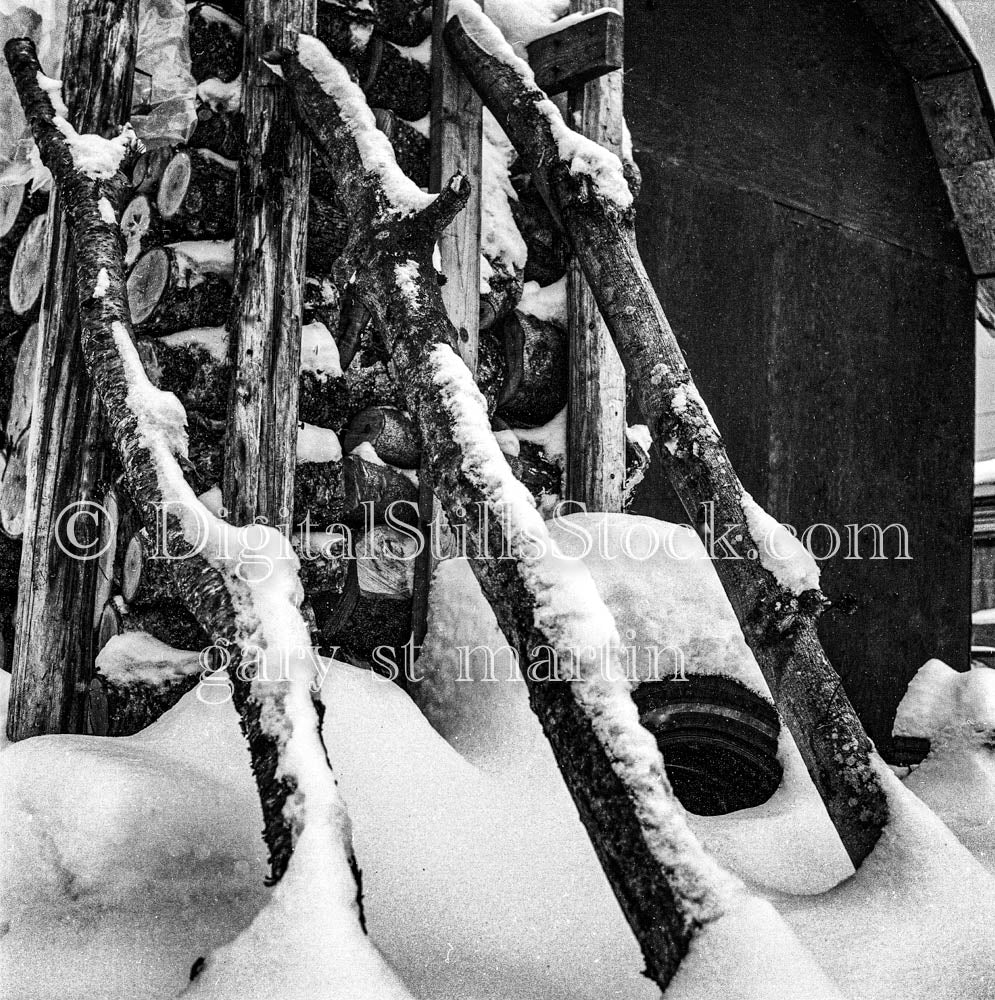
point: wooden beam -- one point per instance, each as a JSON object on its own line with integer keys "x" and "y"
{"x": 583, "y": 51}
{"x": 54, "y": 622}
{"x": 456, "y": 147}
{"x": 596, "y": 393}
{"x": 274, "y": 178}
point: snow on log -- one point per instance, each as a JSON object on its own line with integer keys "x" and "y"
{"x": 668, "y": 888}
{"x": 196, "y": 196}
{"x": 252, "y": 617}
{"x": 140, "y": 228}
{"x": 586, "y": 191}
{"x": 180, "y": 286}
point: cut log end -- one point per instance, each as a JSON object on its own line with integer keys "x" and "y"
{"x": 11, "y": 199}
{"x": 147, "y": 283}
{"x": 174, "y": 184}
{"x": 27, "y": 273}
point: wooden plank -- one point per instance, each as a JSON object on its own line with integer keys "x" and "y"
{"x": 53, "y": 656}
{"x": 456, "y": 147}
{"x": 972, "y": 195}
{"x": 919, "y": 35}
{"x": 596, "y": 394}
{"x": 274, "y": 175}
{"x": 583, "y": 51}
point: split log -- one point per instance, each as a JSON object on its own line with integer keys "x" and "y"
{"x": 778, "y": 622}
{"x": 140, "y": 228}
{"x": 265, "y": 346}
{"x": 196, "y": 197}
{"x": 397, "y": 82}
{"x": 27, "y": 273}
{"x": 169, "y": 291}
{"x": 611, "y": 765}
{"x": 277, "y": 716}
{"x": 66, "y": 459}
{"x": 535, "y": 384}
{"x": 215, "y": 44}
{"x": 391, "y": 432}
{"x": 373, "y": 490}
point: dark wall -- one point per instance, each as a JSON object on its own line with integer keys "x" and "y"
{"x": 794, "y": 224}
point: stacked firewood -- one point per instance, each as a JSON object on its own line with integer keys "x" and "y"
{"x": 358, "y": 448}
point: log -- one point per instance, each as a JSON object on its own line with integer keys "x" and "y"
{"x": 170, "y": 623}
{"x": 411, "y": 148}
{"x": 13, "y": 481}
{"x": 168, "y": 291}
{"x": 265, "y": 345}
{"x": 596, "y": 396}
{"x": 66, "y": 459}
{"x": 536, "y": 473}
{"x": 391, "y": 432}
{"x": 610, "y": 764}
{"x": 196, "y": 196}
{"x": 405, "y": 22}
{"x": 215, "y": 44}
{"x": 319, "y": 494}
{"x": 296, "y": 787}
{"x": 27, "y": 273}
{"x": 140, "y": 228}
{"x": 219, "y": 131}
{"x": 502, "y": 296}
{"x": 535, "y": 385}
{"x": 778, "y": 623}
{"x": 109, "y": 521}
{"x": 12, "y": 324}
{"x": 549, "y": 251}
{"x": 372, "y": 490}
{"x": 398, "y": 83}
{"x": 584, "y": 51}
{"x": 148, "y": 167}
{"x": 191, "y": 365}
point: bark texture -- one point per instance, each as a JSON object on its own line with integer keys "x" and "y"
{"x": 439, "y": 392}
{"x": 779, "y": 625}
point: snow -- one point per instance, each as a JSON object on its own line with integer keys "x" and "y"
{"x": 508, "y": 442}
{"x": 93, "y": 155}
{"x": 522, "y": 23}
{"x": 212, "y": 339}
{"x": 54, "y": 90}
{"x": 779, "y": 551}
{"x": 102, "y": 284}
{"x": 375, "y": 150}
{"x": 420, "y": 53}
{"x": 367, "y": 453}
{"x": 140, "y": 658}
{"x": 986, "y": 616}
{"x": 317, "y": 444}
{"x": 500, "y": 241}
{"x": 219, "y": 96}
{"x": 547, "y": 303}
{"x": 551, "y": 437}
{"x": 199, "y": 257}
{"x": 639, "y": 435}
{"x": 319, "y": 352}
{"x": 106, "y": 210}
{"x": 583, "y": 155}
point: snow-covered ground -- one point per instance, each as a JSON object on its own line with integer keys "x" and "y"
{"x": 126, "y": 860}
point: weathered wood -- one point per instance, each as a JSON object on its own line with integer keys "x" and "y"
{"x": 168, "y": 292}
{"x": 779, "y": 625}
{"x": 227, "y": 606}
{"x": 596, "y": 394}
{"x": 215, "y": 44}
{"x": 53, "y": 657}
{"x": 628, "y": 834}
{"x": 219, "y": 131}
{"x": 140, "y": 228}
{"x": 148, "y": 167}
{"x": 13, "y": 479}
{"x": 391, "y": 432}
{"x": 265, "y": 342}
{"x": 29, "y": 269}
{"x": 170, "y": 623}
{"x": 535, "y": 386}
{"x": 565, "y": 60}
{"x": 398, "y": 83}
{"x": 456, "y": 148}
{"x": 196, "y": 196}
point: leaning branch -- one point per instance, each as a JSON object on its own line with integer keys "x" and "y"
{"x": 770, "y": 580}
{"x": 251, "y": 616}
{"x": 547, "y": 606}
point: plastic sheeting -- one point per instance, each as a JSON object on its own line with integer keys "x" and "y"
{"x": 165, "y": 91}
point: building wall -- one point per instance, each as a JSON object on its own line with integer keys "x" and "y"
{"x": 795, "y": 227}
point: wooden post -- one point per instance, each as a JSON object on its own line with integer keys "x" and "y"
{"x": 596, "y": 395}
{"x": 457, "y": 142}
{"x": 54, "y": 622}
{"x": 274, "y": 177}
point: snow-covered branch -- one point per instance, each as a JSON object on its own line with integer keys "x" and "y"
{"x": 771, "y": 581}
